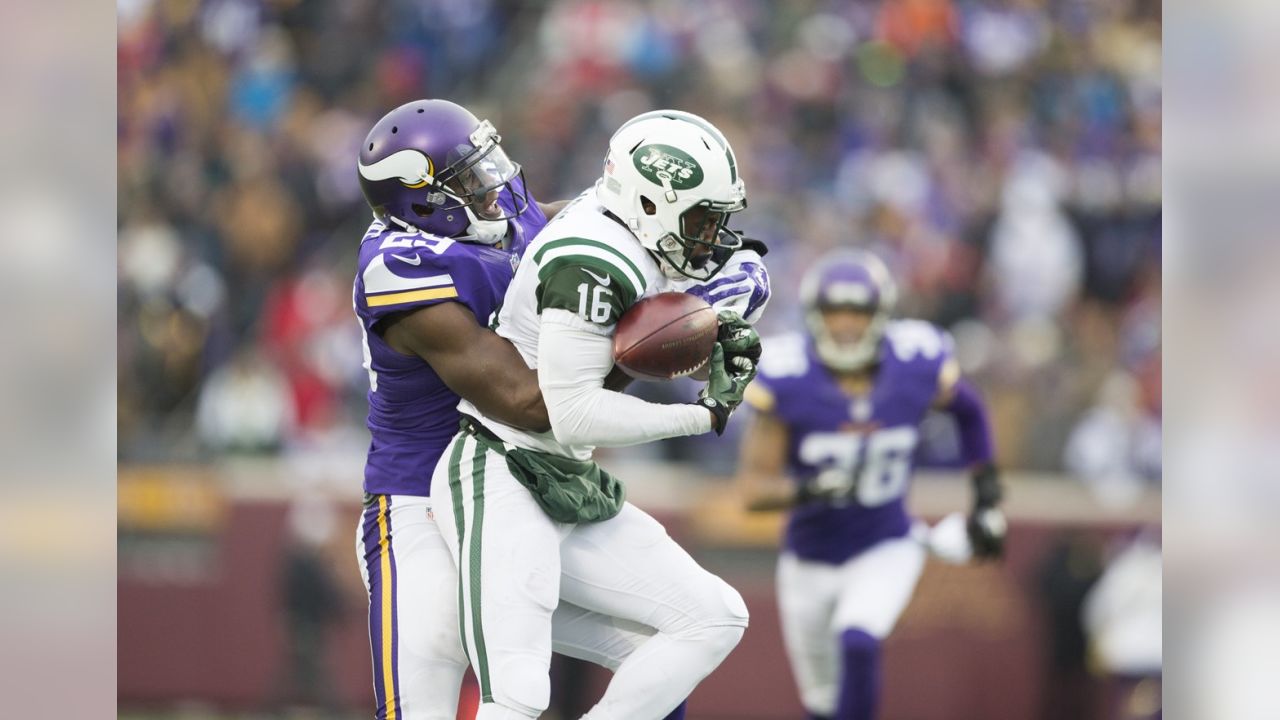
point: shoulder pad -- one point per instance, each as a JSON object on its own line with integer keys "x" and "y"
{"x": 585, "y": 252}
{"x": 405, "y": 267}
{"x": 911, "y": 340}
{"x": 403, "y": 241}
{"x": 784, "y": 356}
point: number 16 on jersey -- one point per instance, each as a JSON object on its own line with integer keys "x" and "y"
{"x": 600, "y": 307}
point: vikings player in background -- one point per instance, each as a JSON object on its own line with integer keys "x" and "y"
{"x": 452, "y": 216}
{"x": 838, "y": 409}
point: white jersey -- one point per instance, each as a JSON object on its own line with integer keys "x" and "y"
{"x": 584, "y": 262}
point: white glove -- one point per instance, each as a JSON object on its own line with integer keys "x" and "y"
{"x": 741, "y": 287}
{"x": 948, "y": 540}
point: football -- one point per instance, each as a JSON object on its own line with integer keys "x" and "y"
{"x": 665, "y": 336}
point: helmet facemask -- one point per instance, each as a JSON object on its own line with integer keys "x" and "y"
{"x": 474, "y": 178}
{"x": 702, "y": 244}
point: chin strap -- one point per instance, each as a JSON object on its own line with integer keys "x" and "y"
{"x": 402, "y": 224}
{"x": 488, "y": 232}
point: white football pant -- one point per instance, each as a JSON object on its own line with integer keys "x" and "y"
{"x": 418, "y": 658}
{"x": 819, "y": 601}
{"x": 517, "y": 565}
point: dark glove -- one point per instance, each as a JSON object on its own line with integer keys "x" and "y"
{"x": 739, "y": 340}
{"x": 725, "y": 387}
{"x": 831, "y": 487}
{"x": 987, "y": 525}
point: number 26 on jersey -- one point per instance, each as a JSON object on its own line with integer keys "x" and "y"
{"x": 877, "y": 463}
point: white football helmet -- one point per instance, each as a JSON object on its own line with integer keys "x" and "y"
{"x": 672, "y": 178}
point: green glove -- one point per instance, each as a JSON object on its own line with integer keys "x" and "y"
{"x": 739, "y": 339}
{"x": 725, "y": 386}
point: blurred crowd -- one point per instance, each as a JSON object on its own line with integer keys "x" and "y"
{"x": 1003, "y": 156}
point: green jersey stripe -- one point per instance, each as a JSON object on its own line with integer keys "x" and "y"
{"x": 599, "y": 268}
{"x": 477, "y": 529}
{"x": 589, "y": 257}
{"x": 455, "y": 490}
{"x": 584, "y": 246}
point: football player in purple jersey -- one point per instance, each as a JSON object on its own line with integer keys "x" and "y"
{"x": 838, "y": 410}
{"x": 452, "y": 216}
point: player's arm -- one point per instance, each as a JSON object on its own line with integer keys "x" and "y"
{"x": 574, "y": 361}
{"x": 579, "y": 302}
{"x": 472, "y": 360}
{"x": 762, "y": 463}
{"x": 961, "y": 400}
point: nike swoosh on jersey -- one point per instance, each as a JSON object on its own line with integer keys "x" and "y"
{"x": 412, "y": 259}
{"x": 378, "y": 278}
{"x": 603, "y": 280}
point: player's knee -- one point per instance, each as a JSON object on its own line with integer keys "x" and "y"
{"x": 721, "y": 619}
{"x": 722, "y": 639}
{"x": 724, "y": 606}
{"x": 522, "y": 684}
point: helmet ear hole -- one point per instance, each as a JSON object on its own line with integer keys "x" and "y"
{"x": 647, "y": 205}
{"x": 422, "y": 210}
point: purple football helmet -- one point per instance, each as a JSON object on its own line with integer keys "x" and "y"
{"x": 431, "y": 165}
{"x": 853, "y": 280}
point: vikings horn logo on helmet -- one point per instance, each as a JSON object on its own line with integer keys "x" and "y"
{"x": 411, "y": 167}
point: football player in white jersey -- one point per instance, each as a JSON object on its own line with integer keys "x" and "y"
{"x": 534, "y": 520}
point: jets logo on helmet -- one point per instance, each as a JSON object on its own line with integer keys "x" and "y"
{"x": 665, "y": 165}
{"x": 672, "y": 179}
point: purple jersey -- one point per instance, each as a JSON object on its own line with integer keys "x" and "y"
{"x": 870, "y": 439}
{"x": 412, "y": 414}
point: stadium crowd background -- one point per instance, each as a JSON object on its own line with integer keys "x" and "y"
{"x": 1004, "y": 158}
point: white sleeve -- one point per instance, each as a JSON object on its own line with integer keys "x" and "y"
{"x": 573, "y": 361}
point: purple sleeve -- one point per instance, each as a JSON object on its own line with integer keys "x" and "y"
{"x": 970, "y": 412}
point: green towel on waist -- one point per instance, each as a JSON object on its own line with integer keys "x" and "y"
{"x": 567, "y": 490}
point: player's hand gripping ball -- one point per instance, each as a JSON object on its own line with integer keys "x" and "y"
{"x": 740, "y": 341}
{"x": 665, "y": 336}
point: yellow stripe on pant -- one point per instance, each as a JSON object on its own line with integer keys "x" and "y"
{"x": 388, "y": 641}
